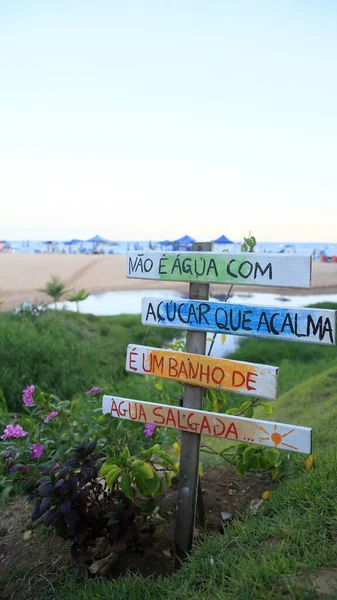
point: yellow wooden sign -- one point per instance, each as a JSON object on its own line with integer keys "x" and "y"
{"x": 237, "y": 376}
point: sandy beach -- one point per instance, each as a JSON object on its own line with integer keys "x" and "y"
{"x": 22, "y": 275}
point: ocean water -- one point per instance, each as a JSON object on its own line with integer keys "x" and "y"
{"x": 121, "y": 247}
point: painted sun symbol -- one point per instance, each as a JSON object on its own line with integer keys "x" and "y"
{"x": 276, "y": 437}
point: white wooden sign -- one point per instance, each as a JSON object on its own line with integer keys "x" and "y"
{"x": 278, "y": 270}
{"x": 292, "y": 324}
{"x": 253, "y": 431}
{"x": 194, "y": 369}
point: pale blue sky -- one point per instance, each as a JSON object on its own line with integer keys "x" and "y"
{"x": 150, "y": 119}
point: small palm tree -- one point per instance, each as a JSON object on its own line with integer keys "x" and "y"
{"x": 79, "y": 297}
{"x": 55, "y": 288}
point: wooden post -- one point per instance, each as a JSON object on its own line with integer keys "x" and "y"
{"x": 190, "y": 442}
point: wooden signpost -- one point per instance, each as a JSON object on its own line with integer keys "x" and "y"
{"x": 197, "y": 316}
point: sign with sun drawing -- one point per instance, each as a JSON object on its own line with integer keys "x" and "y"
{"x": 228, "y": 427}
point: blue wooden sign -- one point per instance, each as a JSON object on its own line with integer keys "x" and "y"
{"x": 293, "y": 324}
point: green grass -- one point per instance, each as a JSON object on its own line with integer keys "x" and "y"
{"x": 67, "y": 353}
{"x": 269, "y": 555}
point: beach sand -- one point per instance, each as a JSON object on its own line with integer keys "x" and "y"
{"x": 22, "y": 275}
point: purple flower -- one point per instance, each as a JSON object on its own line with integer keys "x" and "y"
{"x": 94, "y": 390}
{"x": 36, "y": 450}
{"x": 149, "y": 429}
{"x": 56, "y": 465}
{"x": 14, "y": 431}
{"x": 51, "y": 415}
{"x": 27, "y": 395}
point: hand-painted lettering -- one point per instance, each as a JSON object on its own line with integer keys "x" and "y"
{"x": 172, "y": 367}
{"x": 131, "y": 359}
{"x": 312, "y": 325}
{"x": 157, "y": 411}
{"x": 232, "y": 431}
{"x": 162, "y": 266}
{"x": 138, "y": 265}
{"x": 250, "y": 380}
{"x": 238, "y": 379}
{"x": 219, "y": 428}
{"x": 298, "y": 439}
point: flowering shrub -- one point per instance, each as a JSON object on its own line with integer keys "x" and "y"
{"x": 106, "y": 490}
{"x": 39, "y": 440}
{"x": 29, "y": 310}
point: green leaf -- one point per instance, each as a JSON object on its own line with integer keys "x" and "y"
{"x": 248, "y": 454}
{"x": 244, "y": 405}
{"x": 240, "y": 448}
{"x": 112, "y": 476}
{"x": 267, "y": 407}
{"x": 154, "y": 485}
{"x": 143, "y": 468}
{"x": 140, "y": 483}
{"x": 126, "y": 454}
{"x": 249, "y": 413}
{"x": 213, "y": 400}
{"x": 168, "y": 479}
{"x": 159, "y": 385}
{"x": 147, "y": 453}
{"x": 264, "y": 462}
{"x": 272, "y": 455}
{"x": 107, "y": 466}
{"x": 241, "y": 468}
{"x": 125, "y": 485}
{"x": 166, "y": 457}
{"x": 254, "y": 463}
{"x": 222, "y": 401}
{"x": 232, "y": 411}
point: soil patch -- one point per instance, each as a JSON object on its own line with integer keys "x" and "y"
{"x": 32, "y": 558}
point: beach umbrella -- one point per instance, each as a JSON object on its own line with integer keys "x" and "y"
{"x": 186, "y": 239}
{"x": 98, "y": 239}
{"x": 223, "y": 240}
{"x": 184, "y": 243}
{"x": 73, "y": 242}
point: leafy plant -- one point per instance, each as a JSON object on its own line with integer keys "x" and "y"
{"x": 248, "y": 244}
{"x": 28, "y": 310}
{"x": 78, "y": 297}
{"x": 77, "y": 503}
{"x": 55, "y": 288}
{"x": 137, "y": 476}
